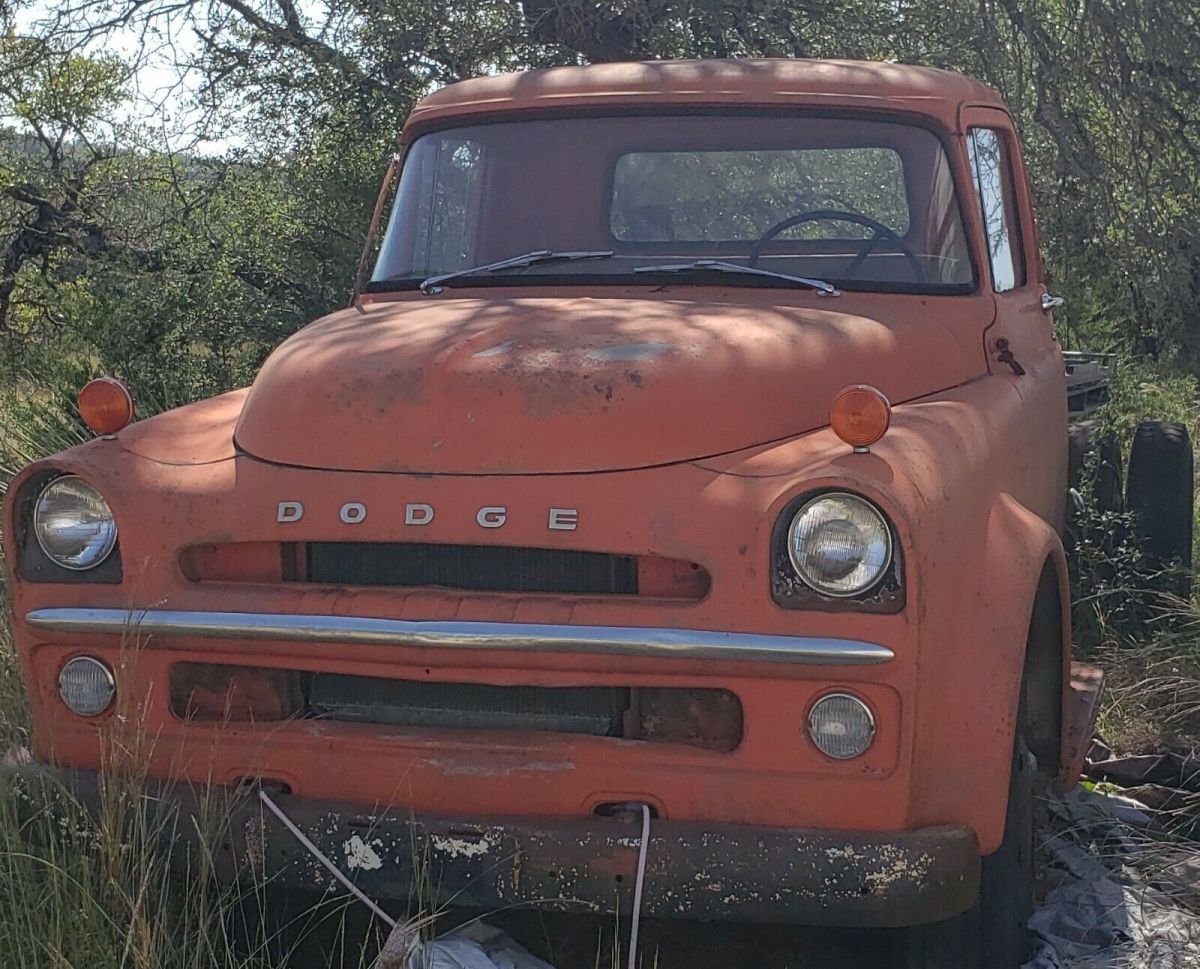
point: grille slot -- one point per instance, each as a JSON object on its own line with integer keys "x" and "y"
{"x": 597, "y": 711}
{"x": 478, "y": 568}
{"x": 705, "y": 717}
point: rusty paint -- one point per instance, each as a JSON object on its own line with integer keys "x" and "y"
{"x": 1086, "y": 689}
{"x": 229, "y": 693}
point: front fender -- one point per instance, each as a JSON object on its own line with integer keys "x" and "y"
{"x": 972, "y": 668}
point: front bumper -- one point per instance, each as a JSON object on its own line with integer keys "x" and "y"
{"x": 458, "y": 636}
{"x": 694, "y": 871}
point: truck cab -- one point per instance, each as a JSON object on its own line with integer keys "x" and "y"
{"x": 698, "y": 443}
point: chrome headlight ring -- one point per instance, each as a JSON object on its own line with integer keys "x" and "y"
{"x": 73, "y": 524}
{"x": 840, "y": 544}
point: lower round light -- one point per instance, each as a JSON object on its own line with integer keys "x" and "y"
{"x": 86, "y": 686}
{"x": 841, "y": 726}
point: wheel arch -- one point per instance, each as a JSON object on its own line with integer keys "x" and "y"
{"x": 1043, "y": 601}
{"x": 1046, "y": 670}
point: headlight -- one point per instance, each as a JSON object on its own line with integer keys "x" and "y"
{"x": 73, "y": 524}
{"x": 839, "y": 544}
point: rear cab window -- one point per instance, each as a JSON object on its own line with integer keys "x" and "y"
{"x": 874, "y": 203}
{"x": 729, "y": 195}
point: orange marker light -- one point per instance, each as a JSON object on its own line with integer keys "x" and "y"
{"x": 860, "y": 415}
{"x": 105, "y": 405}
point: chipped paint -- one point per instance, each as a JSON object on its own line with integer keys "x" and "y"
{"x": 629, "y": 351}
{"x": 459, "y": 769}
{"x": 361, "y": 855}
{"x": 497, "y": 350}
{"x": 461, "y": 847}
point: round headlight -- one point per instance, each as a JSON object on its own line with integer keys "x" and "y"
{"x": 841, "y": 726}
{"x": 839, "y": 544}
{"x": 73, "y": 524}
{"x": 86, "y": 686}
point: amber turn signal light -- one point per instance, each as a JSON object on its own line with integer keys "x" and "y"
{"x": 105, "y": 405}
{"x": 860, "y": 415}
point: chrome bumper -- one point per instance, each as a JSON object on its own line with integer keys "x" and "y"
{"x": 518, "y": 637}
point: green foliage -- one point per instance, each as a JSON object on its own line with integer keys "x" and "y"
{"x": 179, "y": 271}
{"x": 35, "y": 421}
{"x": 52, "y": 89}
{"x": 1117, "y": 591}
{"x": 1149, "y": 391}
{"x": 1113, "y": 585}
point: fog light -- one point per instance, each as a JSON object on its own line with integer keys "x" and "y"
{"x": 86, "y": 686}
{"x": 841, "y": 726}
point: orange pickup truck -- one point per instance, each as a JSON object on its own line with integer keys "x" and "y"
{"x": 699, "y": 442}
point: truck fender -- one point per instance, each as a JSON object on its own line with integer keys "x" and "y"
{"x": 1028, "y": 570}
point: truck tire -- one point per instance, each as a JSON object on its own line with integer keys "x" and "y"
{"x": 992, "y": 933}
{"x": 1106, "y": 476}
{"x": 1160, "y": 496}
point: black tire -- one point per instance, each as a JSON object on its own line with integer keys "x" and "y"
{"x": 1106, "y": 475}
{"x": 991, "y": 934}
{"x": 1160, "y": 496}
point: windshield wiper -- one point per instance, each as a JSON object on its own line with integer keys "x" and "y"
{"x": 716, "y": 265}
{"x": 433, "y": 284}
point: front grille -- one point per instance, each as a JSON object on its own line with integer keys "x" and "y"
{"x": 466, "y": 568}
{"x": 479, "y": 568}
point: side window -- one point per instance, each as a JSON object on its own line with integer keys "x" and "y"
{"x": 994, "y": 185}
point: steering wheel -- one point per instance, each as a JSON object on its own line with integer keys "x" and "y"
{"x": 879, "y": 232}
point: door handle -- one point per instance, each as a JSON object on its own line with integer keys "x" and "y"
{"x": 1051, "y": 302}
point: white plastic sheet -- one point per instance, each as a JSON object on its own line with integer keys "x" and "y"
{"x": 1115, "y": 908}
{"x": 473, "y": 946}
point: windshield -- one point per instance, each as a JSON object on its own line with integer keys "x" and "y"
{"x": 863, "y": 204}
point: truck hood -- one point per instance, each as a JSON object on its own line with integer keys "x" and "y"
{"x": 517, "y": 385}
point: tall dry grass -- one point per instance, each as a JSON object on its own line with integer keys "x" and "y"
{"x": 91, "y": 886}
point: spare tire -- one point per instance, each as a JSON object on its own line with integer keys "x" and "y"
{"x": 1160, "y": 496}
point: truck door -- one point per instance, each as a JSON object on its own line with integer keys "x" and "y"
{"x": 1020, "y": 343}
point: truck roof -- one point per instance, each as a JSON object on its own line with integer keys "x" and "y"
{"x": 864, "y": 84}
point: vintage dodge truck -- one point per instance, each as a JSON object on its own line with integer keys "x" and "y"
{"x": 699, "y": 441}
